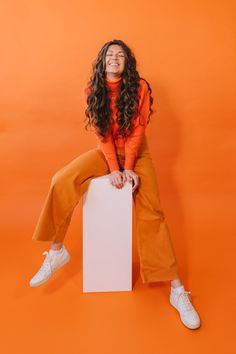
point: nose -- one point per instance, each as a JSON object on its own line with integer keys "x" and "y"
{"x": 114, "y": 56}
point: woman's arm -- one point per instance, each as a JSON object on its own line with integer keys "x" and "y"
{"x": 108, "y": 147}
{"x": 134, "y": 140}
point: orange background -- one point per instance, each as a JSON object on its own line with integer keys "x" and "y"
{"x": 186, "y": 51}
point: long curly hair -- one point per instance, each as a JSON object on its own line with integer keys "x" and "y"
{"x": 98, "y": 103}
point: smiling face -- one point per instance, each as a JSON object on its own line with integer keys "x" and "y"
{"x": 114, "y": 61}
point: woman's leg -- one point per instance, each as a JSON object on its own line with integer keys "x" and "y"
{"x": 67, "y": 186}
{"x": 157, "y": 256}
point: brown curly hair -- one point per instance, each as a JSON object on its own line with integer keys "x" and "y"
{"x": 98, "y": 103}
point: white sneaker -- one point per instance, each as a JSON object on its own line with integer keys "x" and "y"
{"x": 54, "y": 260}
{"x": 180, "y": 300}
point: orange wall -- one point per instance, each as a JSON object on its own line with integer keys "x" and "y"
{"x": 185, "y": 49}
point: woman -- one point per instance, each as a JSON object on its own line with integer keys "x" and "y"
{"x": 118, "y": 110}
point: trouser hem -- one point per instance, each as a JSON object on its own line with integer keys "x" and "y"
{"x": 159, "y": 276}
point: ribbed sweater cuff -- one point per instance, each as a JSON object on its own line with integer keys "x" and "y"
{"x": 129, "y": 164}
{"x": 113, "y": 165}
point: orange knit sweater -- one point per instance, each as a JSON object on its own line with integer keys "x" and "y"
{"x": 131, "y": 143}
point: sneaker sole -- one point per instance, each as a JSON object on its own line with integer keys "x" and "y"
{"x": 34, "y": 285}
{"x": 187, "y": 324}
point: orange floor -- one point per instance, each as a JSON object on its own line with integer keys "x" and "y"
{"x": 59, "y": 318}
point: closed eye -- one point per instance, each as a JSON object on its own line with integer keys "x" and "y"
{"x": 120, "y": 55}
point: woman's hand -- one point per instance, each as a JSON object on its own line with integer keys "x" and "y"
{"x": 130, "y": 176}
{"x": 117, "y": 179}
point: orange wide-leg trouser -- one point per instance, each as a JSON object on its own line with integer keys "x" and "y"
{"x": 156, "y": 252}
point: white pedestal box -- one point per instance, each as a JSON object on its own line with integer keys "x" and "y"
{"x": 107, "y": 237}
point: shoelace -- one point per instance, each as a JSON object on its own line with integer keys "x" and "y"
{"x": 185, "y": 300}
{"x": 46, "y": 263}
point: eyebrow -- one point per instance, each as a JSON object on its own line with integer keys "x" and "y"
{"x": 111, "y": 50}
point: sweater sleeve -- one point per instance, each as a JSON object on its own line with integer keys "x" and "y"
{"x": 107, "y": 147}
{"x": 109, "y": 151}
{"x": 134, "y": 140}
